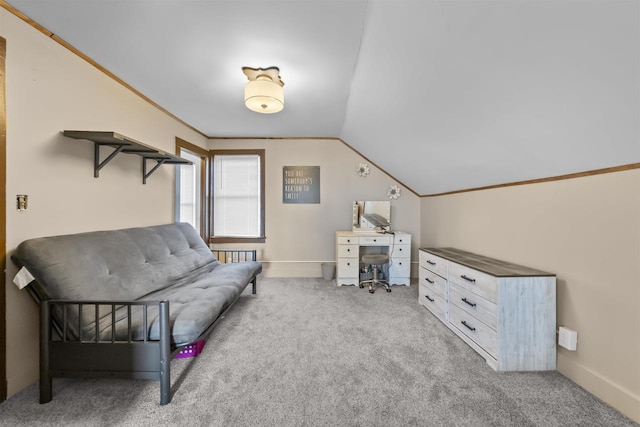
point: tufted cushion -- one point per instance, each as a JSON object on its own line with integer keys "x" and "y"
{"x": 166, "y": 262}
{"x": 194, "y": 304}
{"x": 115, "y": 265}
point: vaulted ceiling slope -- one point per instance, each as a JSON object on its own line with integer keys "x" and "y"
{"x": 443, "y": 95}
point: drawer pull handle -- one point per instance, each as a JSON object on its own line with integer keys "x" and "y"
{"x": 431, "y": 262}
{"x": 430, "y": 281}
{"x": 468, "y": 327}
{"x": 348, "y": 263}
{"x": 348, "y": 250}
{"x": 430, "y": 299}
{"x": 472, "y": 304}
{"x": 468, "y": 279}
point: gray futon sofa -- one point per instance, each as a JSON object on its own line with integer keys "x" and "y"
{"x": 122, "y": 303}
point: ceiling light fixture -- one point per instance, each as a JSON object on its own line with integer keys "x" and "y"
{"x": 263, "y": 93}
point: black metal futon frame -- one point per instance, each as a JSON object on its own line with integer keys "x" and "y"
{"x": 64, "y": 352}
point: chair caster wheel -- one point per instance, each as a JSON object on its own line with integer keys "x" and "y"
{"x": 388, "y": 290}
{"x": 371, "y": 291}
{"x": 361, "y": 286}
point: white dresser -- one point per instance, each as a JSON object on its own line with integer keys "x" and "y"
{"x": 351, "y": 245}
{"x": 506, "y": 312}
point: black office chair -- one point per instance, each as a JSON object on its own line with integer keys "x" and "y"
{"x": 376, "y": 260}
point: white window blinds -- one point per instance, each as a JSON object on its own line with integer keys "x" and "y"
{"x": 236, "y": 195}
{"x": 189, "y": 195}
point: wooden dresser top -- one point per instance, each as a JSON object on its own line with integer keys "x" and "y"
{"x": 485, "y": 264}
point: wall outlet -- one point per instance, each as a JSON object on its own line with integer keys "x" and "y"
{"x": 567, "y": 338}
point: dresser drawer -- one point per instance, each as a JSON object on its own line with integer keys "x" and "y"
{"x": 480, "y": 333}
{"x": 433, "y": 263}
{"x": 348, "y": 251}
{"x": 400, "y": 267}
{"x": 433, "y": 301}
{"x": 401, "y": 251}
{"x": 347, "y": 240}
{"x": 382, "y": 240}
{"x": 474, "y": 281}
{"x": 432, "y": 280}
{"x": 348, "y": 267}
{"x": 475, "y": 305}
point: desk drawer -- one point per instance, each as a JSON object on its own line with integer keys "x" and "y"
{"x": 433, "y": 301}
{"x": 480, "y": 333}
{"x": 382, "y": 240}
{"x": 347, "y": 251}
{"x": 402, "y": 239}
{"x": 432, "y": 280}
{"x": 348, "y": 240}
{"x": 475, "y": 305}
{"x": 400, "y": 267}
{"x": 348, "y": 267}
{"x": 401, "y": 251}
{"x": 433, "y": 263}
{"x": 474, "y": 281}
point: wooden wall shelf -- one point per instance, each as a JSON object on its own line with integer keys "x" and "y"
{"x": 123, "y": 144}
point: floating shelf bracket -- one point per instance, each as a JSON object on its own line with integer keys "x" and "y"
{"x": 146, "y": 175}
{"x": 123, "y": 144}
{"x": 97, "y": 165}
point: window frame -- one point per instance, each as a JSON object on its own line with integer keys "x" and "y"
{"x": 204, "y": 185}
{"x": 240, "y": 152}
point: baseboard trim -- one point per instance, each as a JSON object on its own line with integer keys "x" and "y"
{"x": 305, "y": 268}
{"x": 22, "y": 380}
{"x": 292, "y": 268}
{"x": 613, "y": 394}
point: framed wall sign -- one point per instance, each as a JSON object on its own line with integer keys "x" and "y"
{"x": 301, "y": 184}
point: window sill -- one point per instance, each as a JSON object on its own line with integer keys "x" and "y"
{"x": 261, "y": 239}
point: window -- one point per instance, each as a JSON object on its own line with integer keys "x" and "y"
{"x": 191, "y": 187}
{"x": 238, "y": 196}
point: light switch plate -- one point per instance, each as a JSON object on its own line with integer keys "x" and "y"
{"x": 22, "y": 202}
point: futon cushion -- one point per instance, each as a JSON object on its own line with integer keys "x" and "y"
{"x": 115, "y": 265}
{"x": 194, "y": 304}
{"x": 158, "y": 263}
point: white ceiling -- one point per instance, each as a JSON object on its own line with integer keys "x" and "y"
{"x": 443, "y": 95}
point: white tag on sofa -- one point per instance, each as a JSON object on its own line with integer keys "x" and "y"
{"x": 22, "y": 278}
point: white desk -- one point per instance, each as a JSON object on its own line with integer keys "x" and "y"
{"x": 350, "y": 246}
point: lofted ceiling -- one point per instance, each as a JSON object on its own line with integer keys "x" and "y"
{"x": 443, "y": 95}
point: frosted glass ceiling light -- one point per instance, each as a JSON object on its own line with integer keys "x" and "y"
{"x": 263, "y": 93}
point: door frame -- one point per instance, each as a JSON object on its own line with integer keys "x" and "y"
{"x": 3, "y": 221}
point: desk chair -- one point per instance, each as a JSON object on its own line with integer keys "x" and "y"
{"x": 376, "y": 260}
